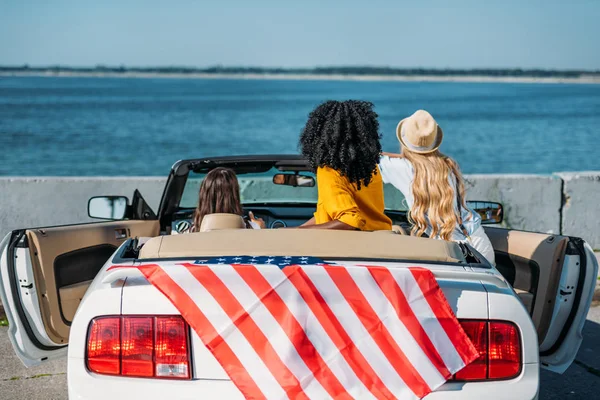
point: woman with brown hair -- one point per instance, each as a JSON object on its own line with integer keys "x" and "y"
{"x": 432, "y": 185}
{"x": 220, "y": 193}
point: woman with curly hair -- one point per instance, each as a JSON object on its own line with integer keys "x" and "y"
{"x": 432, "y": 185}
{"x": 341, "y": 143}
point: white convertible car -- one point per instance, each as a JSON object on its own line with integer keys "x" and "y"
{"x": 77, "y": 291}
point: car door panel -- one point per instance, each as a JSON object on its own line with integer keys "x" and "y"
{"x": 25, "y": 329}
{"x": 74, "y": 271}
{"x": 551, "y": 277}
{"x": 70, "y": 255}
{"x": 531, "y": 262}
{"x": 45, "y": 273}
{"x": 70, "y": 296}
{"x": 554, "y": 354}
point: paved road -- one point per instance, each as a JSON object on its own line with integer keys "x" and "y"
{"x": 49, "y": 382}
{"x": 582, "y": 379}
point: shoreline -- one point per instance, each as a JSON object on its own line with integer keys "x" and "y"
{"x": 595, "y": 79}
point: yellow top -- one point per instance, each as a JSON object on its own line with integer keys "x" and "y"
{"x": 339, "y": 199}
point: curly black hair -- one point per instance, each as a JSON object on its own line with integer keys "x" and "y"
{"x": 343, "y": 135}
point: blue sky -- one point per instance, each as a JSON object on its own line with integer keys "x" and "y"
{"x": 428, "y": 33}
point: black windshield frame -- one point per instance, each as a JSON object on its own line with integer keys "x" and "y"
{"x": 171, "y": 198}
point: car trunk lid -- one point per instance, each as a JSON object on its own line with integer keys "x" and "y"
{"x": 461, "y": 286}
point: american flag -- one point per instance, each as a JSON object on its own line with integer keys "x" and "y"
{"x": 318, "y": 331}
{"x": 280, "y": 261}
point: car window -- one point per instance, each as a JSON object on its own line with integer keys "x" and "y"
{"x": 254, "y": 188}
{"x": 259, "y": 188}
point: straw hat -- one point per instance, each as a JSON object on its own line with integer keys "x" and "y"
{"x": 420, "y": 133}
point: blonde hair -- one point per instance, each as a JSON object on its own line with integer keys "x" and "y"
{"x": 434, "y": 195}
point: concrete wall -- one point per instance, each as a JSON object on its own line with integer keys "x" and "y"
{"x": 531, "y": 202}
{"x": 581, "y": 209}
{"x": 36, "y": 202}
{"x": 567, "y": 203}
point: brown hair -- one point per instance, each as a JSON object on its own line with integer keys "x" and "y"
{"x": 219, "y": 193}
{"x": 434, "y": 195}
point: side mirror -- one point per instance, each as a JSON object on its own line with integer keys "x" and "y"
{"x": 294, "y": 180}
{"x": 490, "y": 212}
{"x": 107, "y": 207}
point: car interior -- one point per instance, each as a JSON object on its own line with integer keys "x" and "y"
{"x": 276, "y": 216}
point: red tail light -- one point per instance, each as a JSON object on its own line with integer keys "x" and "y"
{"x": 171, "y": 348}
{"x": 477, "y": 332}
{"x": 139, "y": 346}
{"x": 504, "y": 350}
{"x": 104, "y": 346}
{"x": 499, "y": 347}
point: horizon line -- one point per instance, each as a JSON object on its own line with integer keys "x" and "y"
{"x": 221, "y": 67}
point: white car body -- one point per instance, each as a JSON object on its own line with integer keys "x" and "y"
{"x": 479, "y": 296}
{"x": 473, "y": 293}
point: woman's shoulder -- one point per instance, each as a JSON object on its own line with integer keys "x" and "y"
{"x": 329, "y": 174}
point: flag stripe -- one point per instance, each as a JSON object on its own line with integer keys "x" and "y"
{"x": 280, "y": 311}
{"x": 277, "y": 336}
{"x": 398, "y": 331}
{"x": 199, "y": 323}
{"x": 355, "y": 359}
{"x": 381, "y": 335}
{"x": 315, "y": 332}
{"x": 444, "y": 314}
{"x": 247, "y": 326}
{"x": 427, "y": 319}
{"x": 251, "y": 362}
{"x": 363, "y": 338}
{"x": 392, "y": 291}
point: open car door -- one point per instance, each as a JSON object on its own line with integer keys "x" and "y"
{"x": 555, "y": 277}
{"x": 44, "y": 274}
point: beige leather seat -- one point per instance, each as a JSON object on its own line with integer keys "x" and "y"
{"x": 220, "y": 221}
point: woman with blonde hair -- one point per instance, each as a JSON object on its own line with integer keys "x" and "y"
{"x": 432, "y": 185}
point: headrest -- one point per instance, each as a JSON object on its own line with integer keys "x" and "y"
{"x": 219, "y": 221}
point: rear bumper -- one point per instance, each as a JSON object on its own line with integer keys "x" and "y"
{"x": 84, "y": 385}
{"x": 525, "y": 386}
